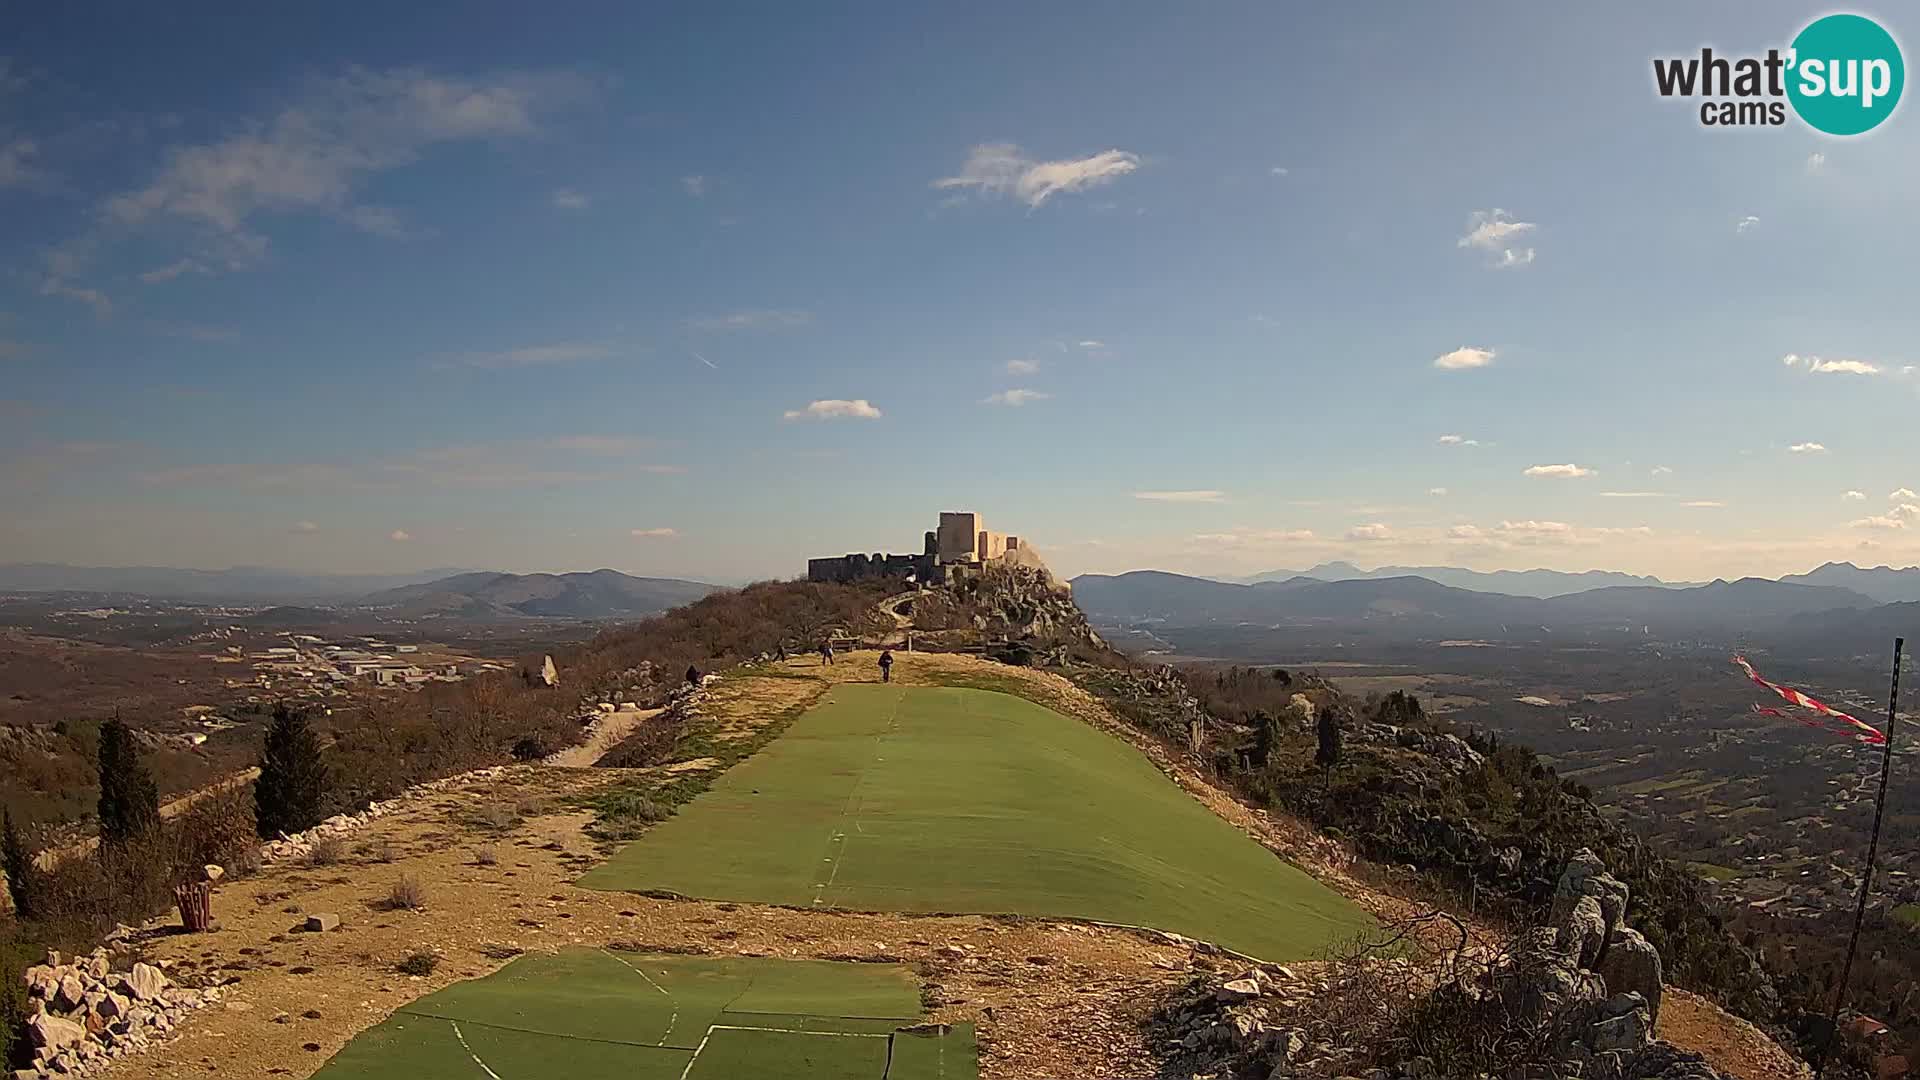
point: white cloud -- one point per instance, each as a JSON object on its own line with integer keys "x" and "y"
{"x": 399, "y": 536}
{"x": 1902, "y": 495}
{"x": 1466, "y": 532}
{"x": 1277, "y": 170}
{"x": 1662, "y": 470}
{"x": 1370, "y": 532}
{"x": 1854, "y": 496}
{"x": 1437, "y": 491}
{"x": 1878, "y": 521}
{"x": 1253, "y": 537}
{"x": 1806, "y": 448}
{"x": 1633, "y": 494}
{"x": 315, "y": 155}
{"x": 1014, "y": 398}
{"x": 173, "y": 270}
{"x": 16, "y": 167}
{"x": 1745, "y": 223}
{"x": 1199, "y": 496}
{"x": 1464, "y": 358}
{"x": 1818, "y": 366}
{"x": 653, "y": 534}
{"x": 1092, "y": 344}
{"x": 696, "y": 185}
{"x": 1000, "y": 169}
{"x": 1496, "y": 233}
{"x": 760, "y": 319}
{"x": 100, "y": 303}
{"x": 1559, "y": 472}
{"x": 1531, "y": 528}
{"x": 305, "y": 527}
{"x": 1816, "y": 161}
{"x": 1704, "y": 504}
{"x": 566, "y": 352}
{"x": 1022, "y": 367}
{"x": 835, "y": 409}
{"x": 569, "y": 199}
{"x": 1457, "y": 440}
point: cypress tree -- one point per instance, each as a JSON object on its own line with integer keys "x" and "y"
{"x": 129, "y": 799}
{"x": 17, "y": 860}
{"x": 291, "y": 794}
{"x": 1329, "y": 730}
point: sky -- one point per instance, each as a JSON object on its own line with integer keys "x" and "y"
{"x": 703, "y": 291}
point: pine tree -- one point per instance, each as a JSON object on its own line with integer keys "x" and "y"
{"x": 1330, "y": 729}
{"x": 16, "y": 859}
{"x": 129, "y": 799}
{"x": 291, "y": 794}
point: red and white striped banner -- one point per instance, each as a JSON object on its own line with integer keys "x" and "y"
{"x": 1854, "y": 727}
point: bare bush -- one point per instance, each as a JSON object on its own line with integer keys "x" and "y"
{"x": 379, "y": 850}
{"x": 485, "y": 855}
{"x": 419, "y": 962}
{"x": 326, "y": 851}
{"x": 407, "y": 894}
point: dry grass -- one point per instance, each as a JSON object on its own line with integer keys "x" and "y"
{"x": 407, "y": 894}
{"x": 419, "y": 962}
{"x": 327, "y": 851}
{"x": 486, "y": 855}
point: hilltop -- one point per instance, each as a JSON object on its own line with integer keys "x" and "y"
{"x": 597, "y": 594}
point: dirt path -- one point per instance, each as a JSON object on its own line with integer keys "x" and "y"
{"x": 612, "y": 728}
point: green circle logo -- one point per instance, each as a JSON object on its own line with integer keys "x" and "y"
{"x": 1845, "y": 74}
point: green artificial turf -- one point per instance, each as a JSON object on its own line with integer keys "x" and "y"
{"x": 600, "y": 1015}
{"x": 890, "y": 798}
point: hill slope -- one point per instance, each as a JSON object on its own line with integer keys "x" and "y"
{"x": 600, "y": 594}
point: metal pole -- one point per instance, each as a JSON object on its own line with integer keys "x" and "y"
{"x": 1873, "y": 849}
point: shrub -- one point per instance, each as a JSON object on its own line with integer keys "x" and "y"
{"x": 407, "y": 894}
{"x": 377, "y": 851}
{"x": 485, "y": 855}
{"x": 217, "y": 829}
{"x": 291, "y": 794}
{"x": 326, "y": 851}
{"x": 129, "y": 803}
{"x": 496, "y": 817}
{"x": 419, "y": 962}
{"x": 626, "y": 814}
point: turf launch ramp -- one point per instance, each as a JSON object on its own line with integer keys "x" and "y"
{"x": 941, "y": 799}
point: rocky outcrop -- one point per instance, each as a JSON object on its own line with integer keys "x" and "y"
{"x": 83, "y": 1015}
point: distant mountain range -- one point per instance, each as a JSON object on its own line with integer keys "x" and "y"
{"x": 600, "y": 594}
{"x": 1885, "y": 584}
{"x": 1413, "y": 601}
{"x": 1536, "y": 583}
{"x": 241, "y": 584}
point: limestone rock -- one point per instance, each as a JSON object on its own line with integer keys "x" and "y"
{"x": 51, "y": 1033}
{"x": 1584, "y": 932}
{"x": 322, "y": 922}
{"x": 144, "y": 982}
{"x": 70, "y": 993}
{"x": 1586, "y": 875}
{"x": 1632, "y": 965}
{"x": 1239, "y": 990}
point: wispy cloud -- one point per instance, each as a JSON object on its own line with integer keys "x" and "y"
{"x": 1022, "y": 367}
{"x": 1201, "y": 495}
{"x": 757, "y": 319}
{"x": 306, "y": 527}
{"x": 173, "y": 270}
{"x": 695, "y": 185}
{"x": 1745, "y": 223}
{"x": 1902, "y": 495}
{"x": 1704, "y": 504}
{"x": 1496, "y": 233}
{"x": 1806, "y": 448}
{"x": 1854, "y": 496}
{"x": 1370, "y": 532}
{"x": 1897, "y": 518}
{"x": 1002, "y": 170}
{"x": 1633, "y": 495}
{"x": 399, "y": 536}
{"x": 1662, "y": 470}
{"x": 1559, "y": 472}
{"x": 1819, "y": 366}
{"x": 317, "y": 154}
{"x": 569, "y": 199}
{"x": 1437, "y": 491}
{"x": 1253, "y": 537}
{"x": 1015, "y": 398}
{"x": 101, "y": 304}
{"x": 1457, "y": 440}
{"x": 1464, "y": 358}
{"x": 653, "y": 534}
{"x": 566, "y": 352}
{"x": 1816, "y": 161}
{"x": 835, "y": 409}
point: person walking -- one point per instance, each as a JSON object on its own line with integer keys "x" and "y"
{"x": 826, "y": 652}
{"x": 886, "y": 665}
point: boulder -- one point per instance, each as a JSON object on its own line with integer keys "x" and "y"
{"x": 41, "y": 981}
{"x": 1239, "y": 990}
{"x": 322, "y": 922}
{"x": 1624, "y": 1025}
{"x": 1586, "y": 875}
{"x": 144, "y": 982}
{"x": 1632, "y": 965}
{"x": 70, "y": 993}
{"x": 52, "y": 1034}
{"x": 1583, "y": 933}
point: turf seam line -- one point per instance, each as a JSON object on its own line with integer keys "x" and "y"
{"x": 671, "y": 1021}
{"x": 893, "y": 721}
{"x": 470, "y": 1022}
{"x": 484, "y": 1067}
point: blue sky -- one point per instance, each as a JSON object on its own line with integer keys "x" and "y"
{"x": 379, "y": 288}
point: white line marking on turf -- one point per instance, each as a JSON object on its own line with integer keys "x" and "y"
{"x": 840, "y": 835}
{"x": 783, "y": 1031}
{"x": 675, "y": 1019}
{"x": 470, "y": 1053}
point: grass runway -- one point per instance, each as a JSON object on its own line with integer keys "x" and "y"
{"x": 600, "y": 1015}
{"x": 915, "y": 799}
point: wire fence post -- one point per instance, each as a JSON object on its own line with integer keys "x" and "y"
{"x": 1873, "y": 851}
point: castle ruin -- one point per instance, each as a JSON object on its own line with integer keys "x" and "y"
{"x": 960, "y": 544}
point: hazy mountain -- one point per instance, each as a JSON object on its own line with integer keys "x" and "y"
{"x": 600, "y": 594}
{"x": 240, "y": 584}
{"x": 1535, "y": 583}
{"x": 1178, "y": 600}
{"x": 1883, "y": 583}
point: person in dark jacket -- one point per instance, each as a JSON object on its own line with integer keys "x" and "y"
{"x": 693, "y": 675}
{"x": 886, "y": 665}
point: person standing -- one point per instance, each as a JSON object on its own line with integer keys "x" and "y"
{"x": 826, "y": 652}
{"x": 886, "y": 665}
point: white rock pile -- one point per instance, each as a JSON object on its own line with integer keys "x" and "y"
{"x": 297, "y": 845}
{"x": 82, "y": 1015}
